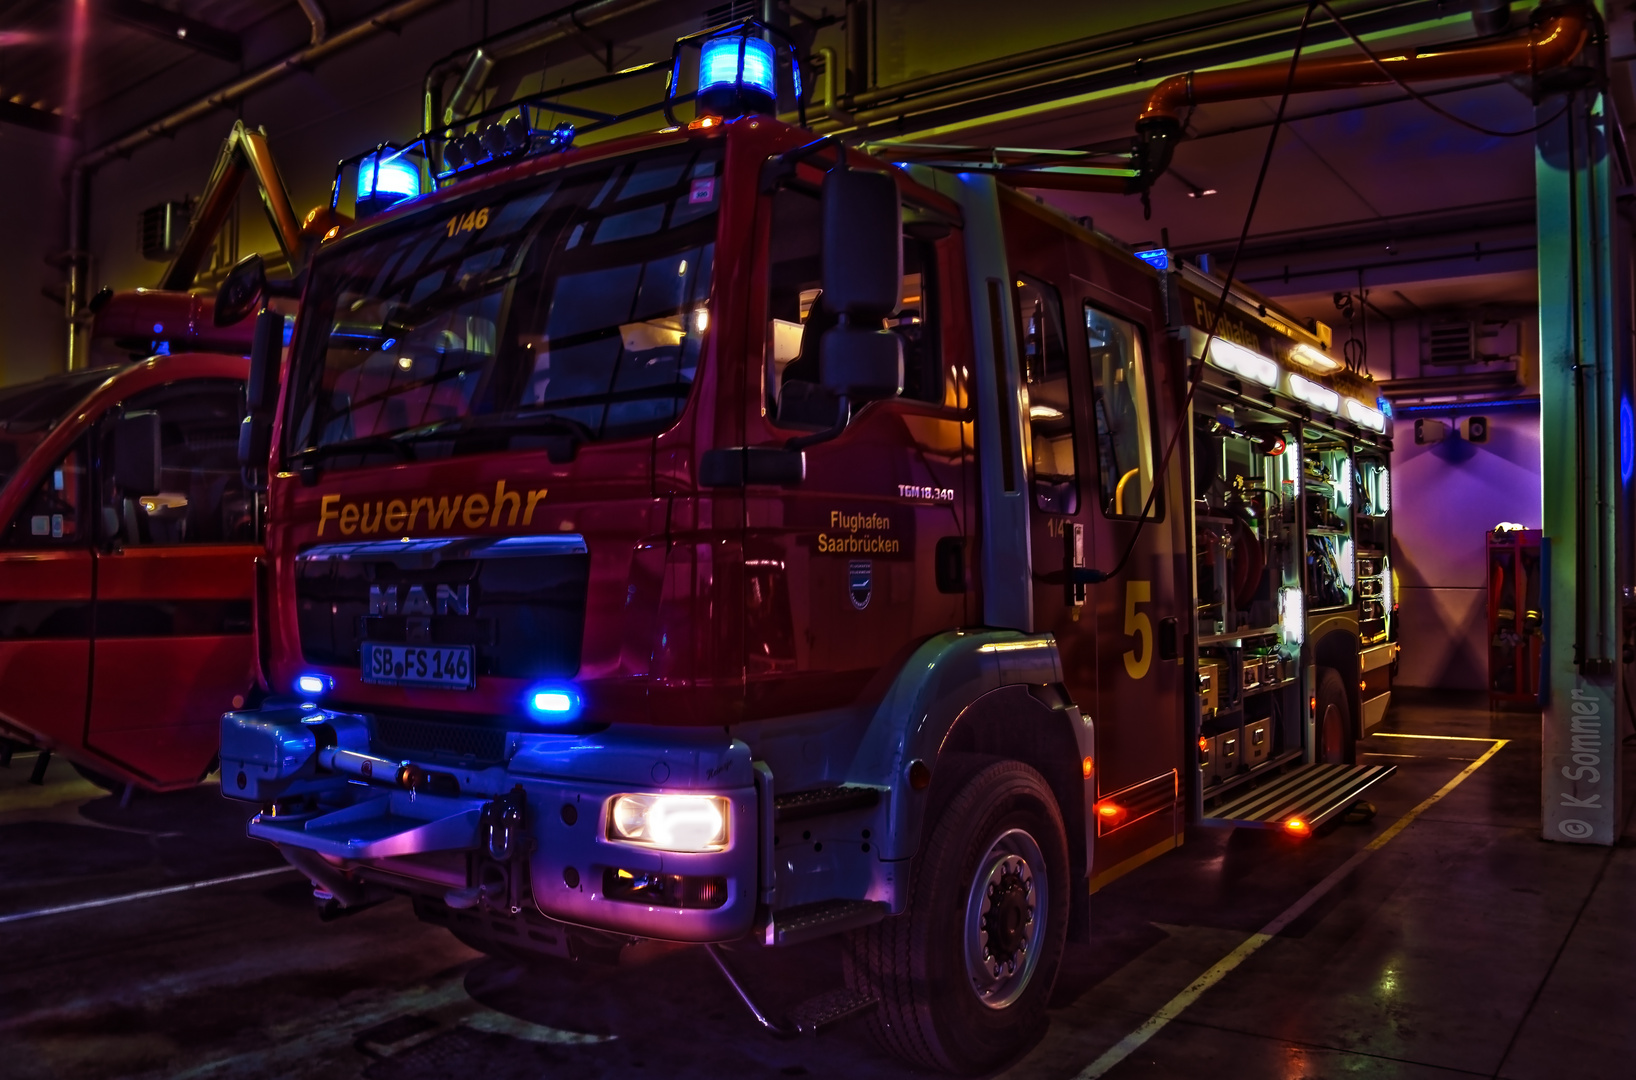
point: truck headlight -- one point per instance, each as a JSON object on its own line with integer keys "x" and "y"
{"x": 670, "y": 822}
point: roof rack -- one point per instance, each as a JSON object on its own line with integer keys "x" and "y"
{"x": 467, "y": 146}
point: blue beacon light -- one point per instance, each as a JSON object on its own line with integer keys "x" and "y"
{"x": 1158, "y": 258}
{"x": 385, "y": 178}
{"x": 725, "y": 87}
{"x": 314, "y": 685}
{"x": 554, "y": 703}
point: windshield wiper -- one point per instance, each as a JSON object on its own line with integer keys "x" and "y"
{"x": 561, "y": 444}
{"x": 307, "y": 461}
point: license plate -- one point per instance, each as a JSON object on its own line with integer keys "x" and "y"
{"x": 451, "y": 667}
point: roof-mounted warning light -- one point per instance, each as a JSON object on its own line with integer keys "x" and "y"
{"x": 386, "y": 177}
{"x": 738, "y": 71}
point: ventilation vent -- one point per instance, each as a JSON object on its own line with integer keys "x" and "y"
{"x": 399, "y": 736}
{"x": 163, "y": 227}
{"x": 722, "y": 14}
{"x": 1448, "y": 343}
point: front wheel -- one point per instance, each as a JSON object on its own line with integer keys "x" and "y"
{"x": 963, "y": 976}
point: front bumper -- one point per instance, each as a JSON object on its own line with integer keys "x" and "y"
{"x": 443, "y": 830}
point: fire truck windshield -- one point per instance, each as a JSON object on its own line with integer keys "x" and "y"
{"x": 28, "y": 412}
{"x": 568, "y": 306}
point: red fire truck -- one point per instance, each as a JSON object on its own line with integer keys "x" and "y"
{"x": 126, "y": 567}
{"x": 716, "y": 533}
{"x": 131, "y": 538}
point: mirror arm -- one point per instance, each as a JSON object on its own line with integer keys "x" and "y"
{"x": 777, "y": 171}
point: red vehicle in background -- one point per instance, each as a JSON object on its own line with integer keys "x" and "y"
{"x": 127, "y": 567}
{"x": 127, "y": 564}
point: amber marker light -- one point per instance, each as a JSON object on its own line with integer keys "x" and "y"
{"x": 1085, "y": 768}
{"x": 1204, "y": 745}
{"x": 1297, "y": 826}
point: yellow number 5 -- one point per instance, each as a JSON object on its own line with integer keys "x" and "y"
{"x": 1137, "y": 625}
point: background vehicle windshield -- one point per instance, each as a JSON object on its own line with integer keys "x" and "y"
{"x": 568, "y": 307}
{"x": 28, "y": 412}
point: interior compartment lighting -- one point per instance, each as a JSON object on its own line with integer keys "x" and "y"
{"x": 1349, "y": 563}
{"x": 1384, "y": 500}
{"x": 1305, "y": 390}
{"x": 1343, "y": 481}
{"x": 1314, "y": 360}
{"x": 1291, "y": 618}
{"x": 1245, "y": 363}
{"x": 671, "y": 822}
{"x": 1363, "y": 416}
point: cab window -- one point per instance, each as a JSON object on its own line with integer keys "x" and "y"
{"x": 54, "y": 515}
{"x": 1123, "y": 414}
{"x": 202, "y": 498}
{"x": 797, "y": 316}
{"x": 1055, "y": 471}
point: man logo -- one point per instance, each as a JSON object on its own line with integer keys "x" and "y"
{"x": 858, "y": 575}
{"x": 451, "y": 600}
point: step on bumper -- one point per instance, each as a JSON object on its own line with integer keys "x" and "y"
{"x": 1308, "y": 794}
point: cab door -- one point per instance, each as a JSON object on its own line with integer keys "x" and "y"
{"x": 866, "y": 557}
{"x": 1140, "y": 672}
{"x": 45, "y": 606}
{"x": 173, "y": 636}
{"x": 1063, "y": 530}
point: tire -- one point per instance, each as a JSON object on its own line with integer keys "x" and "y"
{"x": 1337, "y": 739}
{"x": 945, "y": 1003}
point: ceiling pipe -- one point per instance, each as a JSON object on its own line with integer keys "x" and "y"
{"x": 77, "y": 259}
{"x": 386, "y": 19}
{"x": 477, "y": 62}
{"x": 315, "y": 15}
{"x": 1556, "y": 37}
{"x": 1138, "y": 47}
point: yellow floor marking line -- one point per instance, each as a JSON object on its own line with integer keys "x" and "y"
{"x": 86, "y": 905}
{"x": 1178, "y": 1004}
{"x": 1406, "y": 735}
{"x": 45, "y": 796}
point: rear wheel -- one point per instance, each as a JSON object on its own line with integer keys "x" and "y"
{"x": 1336, "y": 743}
{"x": 964, "y": 975}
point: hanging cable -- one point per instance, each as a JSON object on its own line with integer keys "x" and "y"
{"x": 1422, "y": 98}
{"x": 1195, "y": 368}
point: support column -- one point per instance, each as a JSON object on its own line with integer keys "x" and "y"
{"x": 1584, "y": 328}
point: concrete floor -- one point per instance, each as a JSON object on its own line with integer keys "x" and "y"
{"x": 1465, "y": 946}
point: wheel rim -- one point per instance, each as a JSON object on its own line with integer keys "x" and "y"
{"x": 1005, "y": 918}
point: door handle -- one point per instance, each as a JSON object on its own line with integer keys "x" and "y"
{"x": 1073, "y": 558}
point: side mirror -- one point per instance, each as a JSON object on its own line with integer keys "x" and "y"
{"x": 136, "y": 453}
{"x": 261, "y": 393}
{"x": 861, "y": 365}
{"x": 242, "y": 291}
{"x": 863, "y": 245}
{"x": 266, "y": 354}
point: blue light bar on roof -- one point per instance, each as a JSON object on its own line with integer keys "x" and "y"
{"x": 389, "y": 175}
{"x": 719, "y": 64}
{"x": 1158, "y": 258}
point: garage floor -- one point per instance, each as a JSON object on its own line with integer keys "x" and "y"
{"x": 1461, "y": 946}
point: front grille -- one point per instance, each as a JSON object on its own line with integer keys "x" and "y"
{"x": 520, "y": 601}
{"x": 397, "y": 737}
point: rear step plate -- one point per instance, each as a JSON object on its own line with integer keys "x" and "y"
{"x": 1307, "y": 793}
